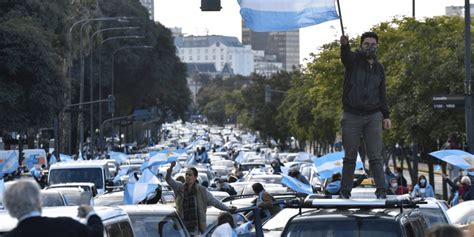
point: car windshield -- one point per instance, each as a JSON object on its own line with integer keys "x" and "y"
{"x": 93, "y": 175}
{"x": 344, "y": 228}
{"x": 156, "y": 225}
{"x": 433, "y": 216}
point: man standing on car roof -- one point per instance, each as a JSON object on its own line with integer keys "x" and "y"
{"x": 365, "y": 110}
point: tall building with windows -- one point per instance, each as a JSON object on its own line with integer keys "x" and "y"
{"x": 149, "y": 5}
{"x": 285, "y": 45}
{"x": 227, "y": 53}
{"x": 458, "y": 10}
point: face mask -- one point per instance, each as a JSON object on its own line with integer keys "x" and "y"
{"x": 423, "y": 181}
{"x": 394, "y": 185}
{"x": 368, "y": 52}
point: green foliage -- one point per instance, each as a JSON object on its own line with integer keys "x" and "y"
{"x": 422, "y": 59}
{"x": 31, "y": 78}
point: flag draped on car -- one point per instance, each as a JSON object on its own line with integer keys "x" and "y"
{"x": 296, "y": 185}
{"x": 285, "y": 15}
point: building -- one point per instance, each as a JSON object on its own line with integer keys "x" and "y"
{"x": 458, "y": 10}
{"x": 266, "y": 65}
{"x": 285, "y": 45}
{"x": 223, "y": 51}
{"x": 194, "y": 70}
{"x": 149, "y": 5}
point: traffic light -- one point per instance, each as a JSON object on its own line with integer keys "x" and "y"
{"x": 111, "y": 104}
{"x": 268, "y": 94}
{"x": 21, "y": 155}
{"x": 211, "y": 5}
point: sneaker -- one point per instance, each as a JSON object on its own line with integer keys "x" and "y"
{"x": 381, "y": 196}
{"x": 344, "y": 196}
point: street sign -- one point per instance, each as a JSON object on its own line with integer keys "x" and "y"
{"x": 448, "y": 101}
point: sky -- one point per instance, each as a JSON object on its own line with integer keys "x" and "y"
{"x": 358, "y": 16}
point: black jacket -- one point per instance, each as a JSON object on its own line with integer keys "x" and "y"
{"x": 59, "y": 226}
{"x": 364, "y": 90}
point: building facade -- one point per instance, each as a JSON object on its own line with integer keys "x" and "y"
{"x": 458, "y": 10}
{"x": 285, "y": 45}
{"x": 223, "y": 51}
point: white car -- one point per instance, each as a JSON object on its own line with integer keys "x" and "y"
{"x": 115, "y": 220}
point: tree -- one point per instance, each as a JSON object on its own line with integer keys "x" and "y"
{"x": 31, "y": 80}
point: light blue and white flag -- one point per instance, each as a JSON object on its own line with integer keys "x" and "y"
{"x": 195, "y": 141}
{"x": 119, "y": 157}
{"x": 285, "y": 15}
{"x": 332, "y": 163}
{"x": 458, "y": 158}
{"x": 138, "y": 191}
{"x": 158, "y": 159}
{"x": 8, "y": 162}
{"x": 296, "y": 185}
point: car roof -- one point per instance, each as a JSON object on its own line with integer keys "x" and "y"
{"x": 80, "y": 164}
{"x": 344, "y": 213}
{"x": 149, "y": 209}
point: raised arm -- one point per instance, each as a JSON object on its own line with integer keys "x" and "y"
{"x": 171, "y": 182}
{"x": 347, "y": 56}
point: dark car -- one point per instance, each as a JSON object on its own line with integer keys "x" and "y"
{"x": 352, "y": 217}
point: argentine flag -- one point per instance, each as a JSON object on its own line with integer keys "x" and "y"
{"x": 138, "y": 191}
{"x": 160, "y": 158}
{"x": 8, "y": 162}
{"x": 285, "y": 15}
{"x": 119, "y": 157}
{"x": 332, "y": 163}
{"x": 296, "y": 185}
{"x": 458, "y": 158}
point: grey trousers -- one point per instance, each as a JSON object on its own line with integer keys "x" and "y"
{"x": 370, "y": 128}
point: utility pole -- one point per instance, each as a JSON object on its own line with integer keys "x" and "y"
{"x": 467, "y": 76}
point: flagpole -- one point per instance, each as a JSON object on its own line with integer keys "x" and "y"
{"x": 340, "y": 17}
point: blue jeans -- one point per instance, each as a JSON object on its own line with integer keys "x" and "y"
{"x": 368, "y": 127}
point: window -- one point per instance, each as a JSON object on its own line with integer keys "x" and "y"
{"x": 230, "y": 56}
{"x": 126, "y": 229}
{"x": 206, "y": 58}
{"x": 191, "y": 58}
{"x": 213, "y": 57}
{"x": 222, "y": 57}
{"x": 93, "y": 175}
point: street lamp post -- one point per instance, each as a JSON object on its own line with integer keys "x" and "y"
{"x": 91, "y": 129}
{"x": 91, "y": 87}
{"x": 81, "y": 87}
{"x": 113, "y": 74}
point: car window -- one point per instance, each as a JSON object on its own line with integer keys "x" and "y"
{"x": 344, "y": 228}
{"x": 156, "y": 226}
{"x": 93, "y": 175}
{"x": 126, "y": 229}
{"x": 52, "y": 200}
{"x": 113, "y": 230}
{"x": 433, "y": 216}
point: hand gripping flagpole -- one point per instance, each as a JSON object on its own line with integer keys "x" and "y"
{"x": 340, "y": 16}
